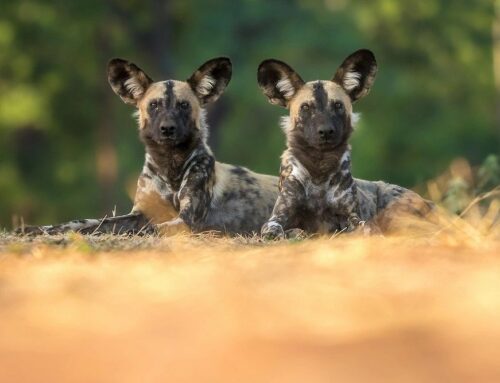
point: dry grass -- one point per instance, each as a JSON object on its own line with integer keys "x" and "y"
{"x": 417, "y": 307}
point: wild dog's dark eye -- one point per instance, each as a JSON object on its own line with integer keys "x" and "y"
{"x": 304, "y": 108}
{"x": 184, "y": 105}
{"x": 153, "y": 105}
{"x": 338, "y": 106}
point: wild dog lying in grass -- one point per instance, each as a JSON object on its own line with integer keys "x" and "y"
{"x": 317, "y": 192}
{"x": 181, "y": 185}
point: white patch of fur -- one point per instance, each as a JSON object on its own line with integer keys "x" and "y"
{"x": 351, "y": 80}
{"x": 286, "y": 88}
{"x": 285, "y": 124}
{"x": 186, "y": 172}
{"x": 203, "y": 126}
{"x": 300, "y": 173}
{"x": 76, "y": 225}
{"x": 273, "y": 224}
{"x": 335, "y": 196}
{"x": 355, "y": 117}
{"x": 346, "y": 157}
{"x": 134, "y": 87}
{"x": 153, "y": 185}
{"x": 206, "y": 85}
{"x": 136, "y": 115}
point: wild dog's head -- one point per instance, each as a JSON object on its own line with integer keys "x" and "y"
{"x": 170, "y": 112}
{"x": 320, "y": 111}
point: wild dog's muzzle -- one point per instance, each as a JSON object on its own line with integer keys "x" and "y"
{"x": 167, "y": 129}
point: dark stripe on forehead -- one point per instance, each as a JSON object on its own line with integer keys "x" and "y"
{"x": 169, "y": 93}
{"x": 320, "y": 95}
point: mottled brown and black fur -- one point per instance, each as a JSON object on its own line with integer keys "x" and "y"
{"x": 317, "y": 190}
{"x": 182, "y": 186}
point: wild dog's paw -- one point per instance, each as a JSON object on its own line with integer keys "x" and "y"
{"x": 370, "y": 228}
{"x": 364, "y": 228}
{"x": 295, "y": 234}
{"x": 272, "y": 230}
{"x": 172, "y": 227}
{"x": 353, "y": 223}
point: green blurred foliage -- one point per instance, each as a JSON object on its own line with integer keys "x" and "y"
{"x": 433, "y": 100}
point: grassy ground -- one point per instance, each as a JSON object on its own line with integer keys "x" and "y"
{"x": 417, "y": 307}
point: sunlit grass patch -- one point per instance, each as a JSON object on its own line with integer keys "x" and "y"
{"x": 420, "y": 305}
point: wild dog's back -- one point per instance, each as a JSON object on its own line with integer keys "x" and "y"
{"x": 242, "y": 200}
{"x": 387, "y": 206}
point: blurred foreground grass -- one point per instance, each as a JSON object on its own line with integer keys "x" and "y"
{"x": 409, "y": 308}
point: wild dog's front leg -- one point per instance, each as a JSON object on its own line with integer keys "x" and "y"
{"x": 273, "y": 229}
{"x": 285, "y": 210}
{"x": 353, "y": 220}
{"x": 174, "y": 226}
{"x": 193, "y": 199}
{"x": 346, "y": 204}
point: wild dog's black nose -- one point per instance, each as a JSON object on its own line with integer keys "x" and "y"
{"x": 167, "y": 130}
{"x": 325, "y": 133}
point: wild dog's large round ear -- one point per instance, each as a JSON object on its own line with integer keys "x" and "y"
{"x": 127, "y": 80}
{"x": 278, "y": 81}
{"x": 210, "y": 80}
{"x": 357, "y": 74}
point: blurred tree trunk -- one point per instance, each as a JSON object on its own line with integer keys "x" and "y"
{"x": 160, "y": 36}
{"x": 106, "y": 157}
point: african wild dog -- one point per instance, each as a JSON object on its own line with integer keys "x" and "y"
{"x": 317, "y": 190}
{"x": 181, "y": 184}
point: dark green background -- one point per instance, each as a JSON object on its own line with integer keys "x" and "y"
{"x": 434, "y": 98}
